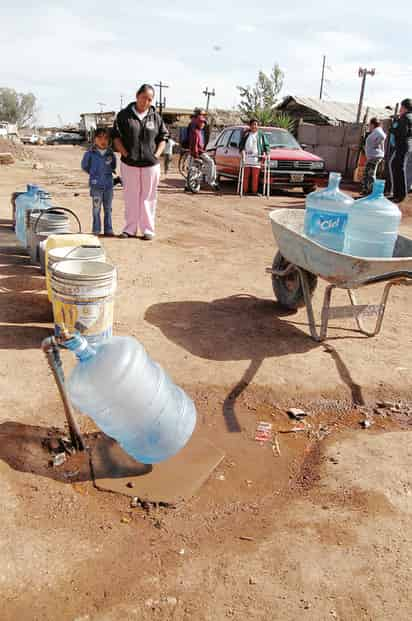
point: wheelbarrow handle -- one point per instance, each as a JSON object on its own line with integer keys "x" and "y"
{"x": 43, "y": 211}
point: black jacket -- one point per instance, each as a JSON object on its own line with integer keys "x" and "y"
{"x": 140, "y": 138}
{"x": 402, "y": 133}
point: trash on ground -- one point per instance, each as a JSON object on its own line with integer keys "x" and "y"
{"x": 297, "y": 413}
{"x": 134, "y": 502}
{"x": 245, "y": 538}
{"x": 275, "y": 446}
{"x": 125, "y": 519}
{"x": 264, "y": 432}
{"x": 366, "y": 424}
{"x": 59, "y": 459}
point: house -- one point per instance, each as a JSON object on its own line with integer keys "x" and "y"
{"x": 89, "y": 121}
{"x": 8, "y": 130}
{"x": 324, "y": 112}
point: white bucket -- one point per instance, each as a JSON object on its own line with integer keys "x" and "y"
{"x": 83, "y": 298}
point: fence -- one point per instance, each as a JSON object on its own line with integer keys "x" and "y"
{"x": 337, "y": 145}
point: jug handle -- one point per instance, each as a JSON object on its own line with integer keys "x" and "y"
{"x": 58, "y": 209}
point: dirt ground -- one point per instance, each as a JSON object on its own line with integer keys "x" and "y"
{"x": 319, "y": 531}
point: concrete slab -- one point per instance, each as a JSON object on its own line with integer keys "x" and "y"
{"x": 170, "y": 482}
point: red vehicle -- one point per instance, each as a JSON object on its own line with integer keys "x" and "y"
{"x": 290, "y": 165}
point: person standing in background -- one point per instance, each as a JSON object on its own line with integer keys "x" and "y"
{"x": 401, "y": 140}
{"x": 375, "y": 152}
{"x": 253, "y": 147}
{"x": 168, "y": 154}
{"x": 139, "y": 135}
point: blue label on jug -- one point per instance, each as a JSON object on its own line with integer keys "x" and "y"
{"x": 328, "y": 222}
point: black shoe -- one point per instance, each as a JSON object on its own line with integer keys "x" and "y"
{"x": 109, "y": 234}
{"x": 125, "y": 235}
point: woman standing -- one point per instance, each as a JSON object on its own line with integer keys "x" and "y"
{"x": 253, "y": 146}
{"x": 139, "y": 135}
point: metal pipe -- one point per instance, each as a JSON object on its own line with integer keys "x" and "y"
{"x": 51, "y": 350}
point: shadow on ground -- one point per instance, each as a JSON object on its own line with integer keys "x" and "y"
{"x": 239, "y": 327}
{"x": 26, "y": 448}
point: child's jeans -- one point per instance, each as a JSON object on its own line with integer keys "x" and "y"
{"x": 102, "y": 198}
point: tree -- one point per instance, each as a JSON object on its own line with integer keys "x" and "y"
{"x": 16, "y": 107}
{"x": 260, "y": 101}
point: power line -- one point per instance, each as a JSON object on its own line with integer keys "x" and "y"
{"x": 322, "y": 80}
{"x": 162, "y": 100}
{"x": 208, "y": 94}
{"x": 363, "y": 73}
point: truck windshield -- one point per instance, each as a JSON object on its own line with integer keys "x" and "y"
{"x": 281, "y": 139}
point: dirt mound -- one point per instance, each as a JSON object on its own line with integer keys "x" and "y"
{"x": 15, "y": 148}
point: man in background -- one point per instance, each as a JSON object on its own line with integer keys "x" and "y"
{"x": 401, "y": 140}
{"x": 375, "y": 152}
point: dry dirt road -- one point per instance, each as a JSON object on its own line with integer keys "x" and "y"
{"x": 319, "y": 532}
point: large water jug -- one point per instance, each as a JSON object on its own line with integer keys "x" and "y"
{"x": 373, "y": 225}
{"x": 24, "y": 201}
{"x": 32, "y": 213}
{"x": 131, "y": 398}
{"x": 326, "y": 214}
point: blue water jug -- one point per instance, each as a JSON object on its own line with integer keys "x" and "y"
{"x": 42, "y": 202}
{"x": 373, "y": 225}
{"x": 24, "y": 201}
{"x": 130, "y": 398}
{"x": 326, "y": 214}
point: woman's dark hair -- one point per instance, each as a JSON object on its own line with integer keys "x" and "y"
{"x": 407, "y": 103}
{"x": 144, "y": 88}
{"x": 375, "y": 122}
{"x": 253, "y": 121}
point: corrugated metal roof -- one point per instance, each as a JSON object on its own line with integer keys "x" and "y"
{"x": 334, "y": 111}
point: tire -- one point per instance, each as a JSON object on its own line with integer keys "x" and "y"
{"x": 288, "y": 289}
{"x": 307, "y": 189}
{"x": 193, "y": 179}
{"x": 183, "y": 164}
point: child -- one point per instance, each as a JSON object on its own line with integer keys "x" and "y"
{"x": 100, "y": 162}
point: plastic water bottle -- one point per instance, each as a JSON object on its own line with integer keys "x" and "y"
{"x": 326, "y": 214}
{"x": 24, "y": 201}
{"x": 131, "y": 398}
{"x": 373, "y": 225}
{"x": 36, "y": 199}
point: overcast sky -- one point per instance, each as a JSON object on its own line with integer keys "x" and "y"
{"x": 74, "y": 55}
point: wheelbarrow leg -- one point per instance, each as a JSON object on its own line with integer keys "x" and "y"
{"x": 381, "y": 313}
{"x": 309, "y": 306}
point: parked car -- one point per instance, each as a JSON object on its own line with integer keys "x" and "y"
{"x": 290, "y": 165}
{"x": 65, "y": 138}
{"x": 31, "y": 139}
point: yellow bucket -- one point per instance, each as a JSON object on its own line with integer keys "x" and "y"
{"x": 62, "y": 241}
{"x": 83, "y": 298}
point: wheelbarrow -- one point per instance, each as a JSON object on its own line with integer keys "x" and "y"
{"x": 300, "y": 262}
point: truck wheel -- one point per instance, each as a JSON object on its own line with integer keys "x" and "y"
{"x": 288, "y": 289}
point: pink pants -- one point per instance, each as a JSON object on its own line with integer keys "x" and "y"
{"x": 140, "y": 197}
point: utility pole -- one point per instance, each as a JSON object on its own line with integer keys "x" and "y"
{"x": 363, "y": 72}
{"x": 121, "y": 101}
{"x": 208, "y": 95}
{"x": 162, "y": 100}
{"x": 322, "y": 81}
{"x": 101, "y": 104}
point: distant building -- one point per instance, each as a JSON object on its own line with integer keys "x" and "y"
{"x": 324, "y": 112}
{"x": 8, "y": 130}
{"x": 89, "y": 121}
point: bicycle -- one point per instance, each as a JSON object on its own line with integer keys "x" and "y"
{"x": 195, "y": 174}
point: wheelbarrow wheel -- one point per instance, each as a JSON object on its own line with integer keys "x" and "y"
{"x": 288, "y": 289}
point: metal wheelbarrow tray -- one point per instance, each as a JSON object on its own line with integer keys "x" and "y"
{"x": 300, "y": 261}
